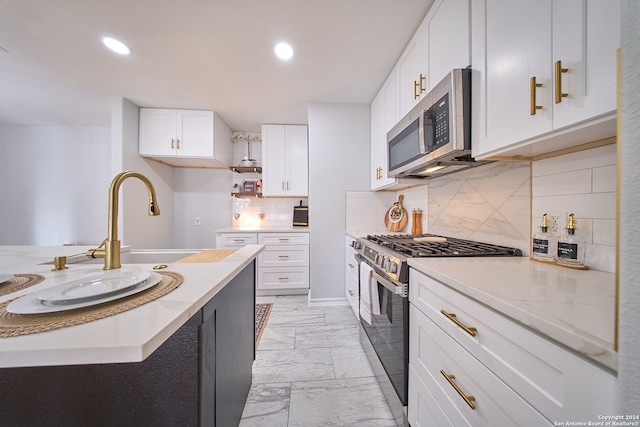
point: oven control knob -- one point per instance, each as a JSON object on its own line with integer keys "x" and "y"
{"x": 384, "y": 262}
{"x": 392, "y": 267}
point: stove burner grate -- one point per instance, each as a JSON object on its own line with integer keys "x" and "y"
{"x": 452, "y": 247}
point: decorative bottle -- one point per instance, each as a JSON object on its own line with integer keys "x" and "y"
{"x": 544, "y": 243}
{"x": 571, "y": 246}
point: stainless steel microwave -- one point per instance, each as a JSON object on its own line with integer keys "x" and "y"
{"x": 434, "y": 138}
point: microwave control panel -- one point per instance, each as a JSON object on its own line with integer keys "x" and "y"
{"x": 437, "y": 118}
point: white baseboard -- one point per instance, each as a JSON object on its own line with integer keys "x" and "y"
{"x": 328, "y": 302}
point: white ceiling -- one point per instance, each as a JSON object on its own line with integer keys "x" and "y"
{"x": 196, "y": 54}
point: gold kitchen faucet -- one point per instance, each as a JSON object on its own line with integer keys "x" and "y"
{"x": 111, "y": 251}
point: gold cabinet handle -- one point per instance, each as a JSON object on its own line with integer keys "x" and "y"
{"x": 532, "y": 90}
{"x": 350, "y": 265}
{"x": 287, "y": 185}
{"x": 283, "y": 185}
{"x": 283, "y": 256}
{"x": 283, "y": 278}
{"x": 452, "y": 317}
{"x": 351, "y": 292}
{"x": 283, "y": 239}
{"x": 178, "y": 143}
{"x": 468, "y": 399}
{"x": 559, "y": 71}
{"x": 238, "y": 240}
{"x": 173, "y": 141}
{"x": 418, "y": 86}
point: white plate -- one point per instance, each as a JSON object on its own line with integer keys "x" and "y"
{"x": 31, "y": 304}
{"x": 96, "y": 287}
{"x": 5, "y": 277}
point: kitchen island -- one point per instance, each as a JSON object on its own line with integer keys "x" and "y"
{"x": 183, "y": 359}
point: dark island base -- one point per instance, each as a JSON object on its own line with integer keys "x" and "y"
{"x": 199, "y": 377}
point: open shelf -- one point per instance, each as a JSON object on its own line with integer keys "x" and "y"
{"x": 258, "y": 195}
{"x": 246, "y": 169}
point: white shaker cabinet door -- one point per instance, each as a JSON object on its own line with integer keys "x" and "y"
{"x": 449, "y": 26}
{"x": 297, "y": 160}
{"x": 586, "y": 36}
{"x": 273, "y": 160}
{"x": 158, "y": 132}
{"x": 196, "y": 134}
{"x": 518, "y": 47}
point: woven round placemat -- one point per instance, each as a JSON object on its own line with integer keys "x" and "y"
{"x": 12, "y": 325}
{"x": 19, "y": 282}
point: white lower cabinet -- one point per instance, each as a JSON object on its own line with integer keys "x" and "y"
{"x": 283, "y": 266}
{"x": 352, "y": 289}
{"x": 516, "y": 377}
{"x": 235, "y": 240}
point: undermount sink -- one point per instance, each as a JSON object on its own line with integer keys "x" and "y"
{"x": 139, "y": 256}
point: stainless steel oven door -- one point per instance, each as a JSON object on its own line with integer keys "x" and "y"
{"x": 388, "y": 333}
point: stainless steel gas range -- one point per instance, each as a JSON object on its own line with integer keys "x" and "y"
{"x": 384, "y": 303}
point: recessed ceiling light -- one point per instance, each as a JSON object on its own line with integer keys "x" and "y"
{"x": 116, "y": 45}
{"x": 284, "y": 51}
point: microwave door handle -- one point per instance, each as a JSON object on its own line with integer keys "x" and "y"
{"x": 423, "y": 147}
{"x": 425, "y": 115}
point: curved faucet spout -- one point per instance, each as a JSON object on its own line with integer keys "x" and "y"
{"x": 111, "y": 244}
{"x": 114, "y": 190}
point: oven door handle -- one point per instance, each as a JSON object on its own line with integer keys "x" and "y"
{"x": 398, "y": 290}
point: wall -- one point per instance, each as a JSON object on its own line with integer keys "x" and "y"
{"x": 137, "y": 228}
{"x": 629, "y": 267}
{"x": 205, "y": 194}
{"x": 54, "y": 184}
{"x": 583, "y": 183}
{"x": 339, "y": 161}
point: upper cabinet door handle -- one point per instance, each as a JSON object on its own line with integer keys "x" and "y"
{"x": 559, "y": 72}
{"x": 532, "y": 89}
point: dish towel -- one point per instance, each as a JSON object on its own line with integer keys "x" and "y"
{"x": 369, "y": 300}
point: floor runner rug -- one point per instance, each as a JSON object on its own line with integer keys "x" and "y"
{"x": 262, "y": 315}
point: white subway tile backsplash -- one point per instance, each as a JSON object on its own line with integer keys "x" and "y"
{"x": 604, "y": 179}
{"x": 583, "y": 183}
{"x": 604, "y": 232}
{"x": 574, "y": 182}
{"x": 601, "y": 205}
{"x": 586, "y": 159}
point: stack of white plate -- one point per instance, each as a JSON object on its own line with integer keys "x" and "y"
{"x": 85, "y": 292}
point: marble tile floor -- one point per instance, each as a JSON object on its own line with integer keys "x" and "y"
{"x": 311, "y": 370}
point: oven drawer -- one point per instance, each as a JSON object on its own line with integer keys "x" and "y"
{"x": 433, "y": 353}
{"x": 555, "y": 381}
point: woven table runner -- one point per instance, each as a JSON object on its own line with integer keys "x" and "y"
{"x": 12, "y": 325}
{"x": 213, "y": 255}
{"x": 19, "y": 282}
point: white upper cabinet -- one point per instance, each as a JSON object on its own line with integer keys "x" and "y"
{"x": 184, "y": 137}
{"x": 411, "y": 71}
{"x": 449, "y": 25}
{"x": 383, "y": 118}
{"x": 544, "y": 74}
{"x": 285, "y": 160}
{"x": 441, "y": 43}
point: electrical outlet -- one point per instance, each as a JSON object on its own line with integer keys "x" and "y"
{"x": 557, "y": 222}
{"x": 198, "y": 222}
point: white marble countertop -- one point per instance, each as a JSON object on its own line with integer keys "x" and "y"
{"x": 573, "y": 307}
{"x": 265, "y": 229}
{"x": 127, "y": 337}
